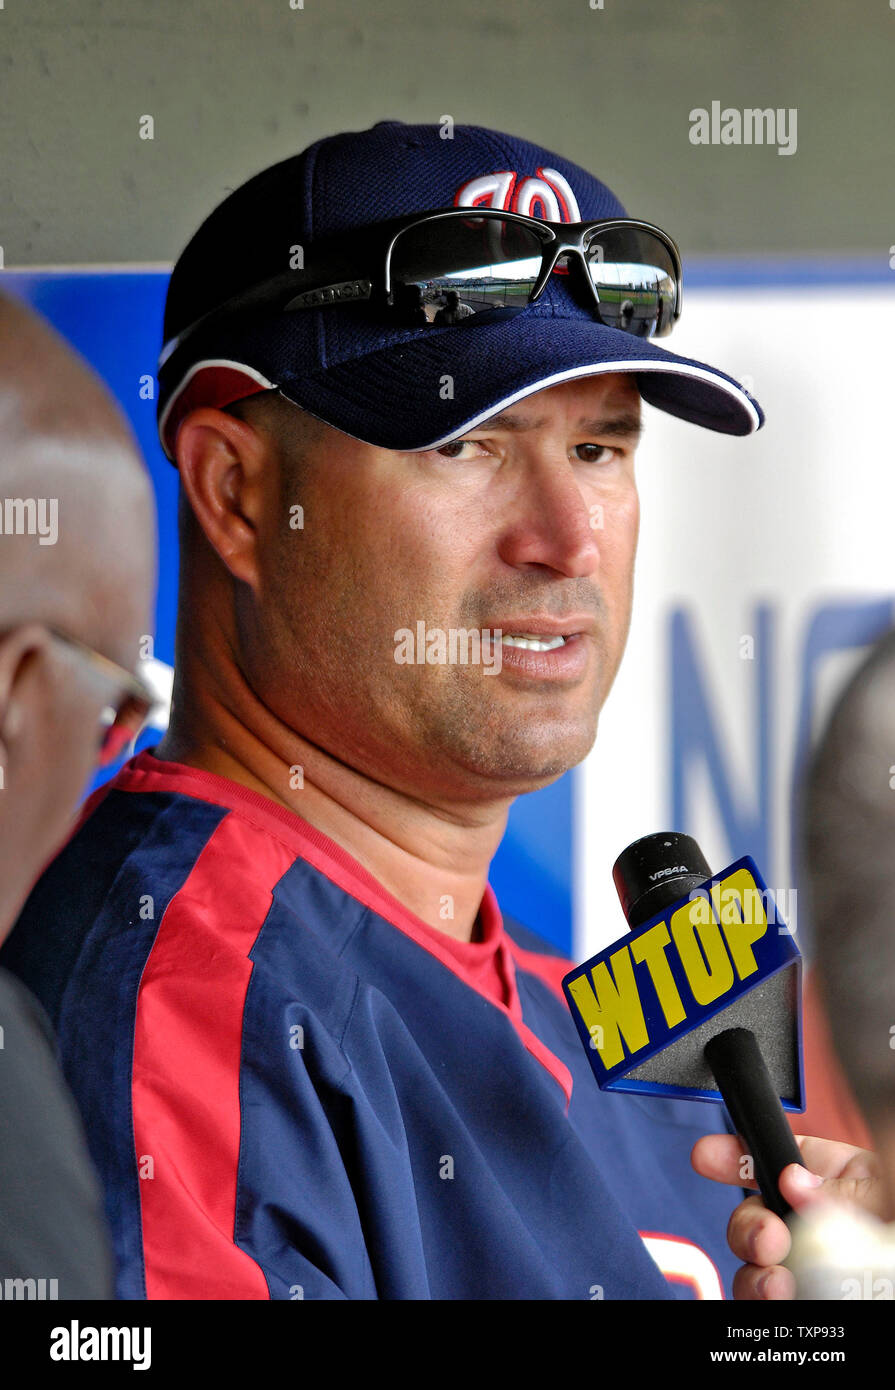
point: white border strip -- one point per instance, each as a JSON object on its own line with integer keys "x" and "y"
{"x": 99, "y": 268}
{"x": 198, "y": 367}
{"x": 596, "y": 369}
{"x": 651, "y": 365}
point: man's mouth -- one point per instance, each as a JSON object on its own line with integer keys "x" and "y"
{"x": 542, "y": 649}
{"x": 531, "y": 641}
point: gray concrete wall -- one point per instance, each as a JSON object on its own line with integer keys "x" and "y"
{"x": 234, "y": 85}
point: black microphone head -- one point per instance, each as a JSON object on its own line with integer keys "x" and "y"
{"x": 654, "y": 877}
{"x": 656, "y": 871}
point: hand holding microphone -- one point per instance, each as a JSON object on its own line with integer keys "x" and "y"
{"x": 701, "y": 1000}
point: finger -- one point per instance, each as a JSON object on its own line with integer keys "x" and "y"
{"x": 800, "y": 1187}
{"x": 721, "y": 1158}
{"x": 858, "y": 1182}
{"x": 829, "y": 1157}
{"x": 756, "y": 1236}
{"x": 752, "y": 1283}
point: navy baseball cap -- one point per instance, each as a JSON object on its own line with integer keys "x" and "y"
{"x": 380, "y": 382}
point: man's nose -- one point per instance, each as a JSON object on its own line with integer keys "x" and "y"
{"x": 552, "y": 524}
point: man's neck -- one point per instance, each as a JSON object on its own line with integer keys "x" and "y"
{"x": 433, "y": 858}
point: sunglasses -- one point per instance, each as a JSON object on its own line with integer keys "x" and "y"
{"x": 121, "y": 720}
{"x": 442, "y": 268}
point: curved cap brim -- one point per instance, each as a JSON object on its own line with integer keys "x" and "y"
{"x": 449, "y": 382}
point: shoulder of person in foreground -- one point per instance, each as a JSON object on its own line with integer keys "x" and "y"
{"x": 224, "y": 1116}
{"x": 53, "y": 1241}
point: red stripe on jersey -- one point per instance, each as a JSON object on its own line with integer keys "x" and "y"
{"x": 549, "y": 969}
{"x": 146, "y": 773}
{"x": 185, "y": 1083}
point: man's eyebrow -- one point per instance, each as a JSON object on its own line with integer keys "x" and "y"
{"x": 626, "y": 425}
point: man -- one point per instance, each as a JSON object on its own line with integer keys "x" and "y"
{"x": 329, "y": 1068}
{"x": 453, "y": 310}
{"x": 848, "y": 817}
{"x": 76, "y": 573}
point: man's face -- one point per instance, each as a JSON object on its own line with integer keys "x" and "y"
{"x": 96, "y": 585}
{"x": 529, "y": 525}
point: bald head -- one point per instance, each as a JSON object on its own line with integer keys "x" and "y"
{"x": 69, "y": 468}
{"x": 77, "y": 553}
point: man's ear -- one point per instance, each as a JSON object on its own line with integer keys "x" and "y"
{"x": 223, "y": 464}
{"x": 18, "y": 648}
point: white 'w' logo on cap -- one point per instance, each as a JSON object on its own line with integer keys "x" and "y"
{"x": 547, "y": 195}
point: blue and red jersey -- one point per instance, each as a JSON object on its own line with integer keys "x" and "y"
{"x": 293, "y": 1087}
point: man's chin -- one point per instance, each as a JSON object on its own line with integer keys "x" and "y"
{"x": 522, "y": 766}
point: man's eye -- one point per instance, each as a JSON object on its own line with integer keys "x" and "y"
{"x": 595, "y": 453}
{"x": 453, "y": 450}
{"x": 587, "y": 453}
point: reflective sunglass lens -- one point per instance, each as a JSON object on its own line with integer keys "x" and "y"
{"x": 444, "y": 272}
{"x": 635, "y": 279}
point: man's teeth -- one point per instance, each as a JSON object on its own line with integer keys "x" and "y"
{"x": 531, "y": 642}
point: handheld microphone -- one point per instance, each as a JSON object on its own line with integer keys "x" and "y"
{"x": 701, "y": 1000}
